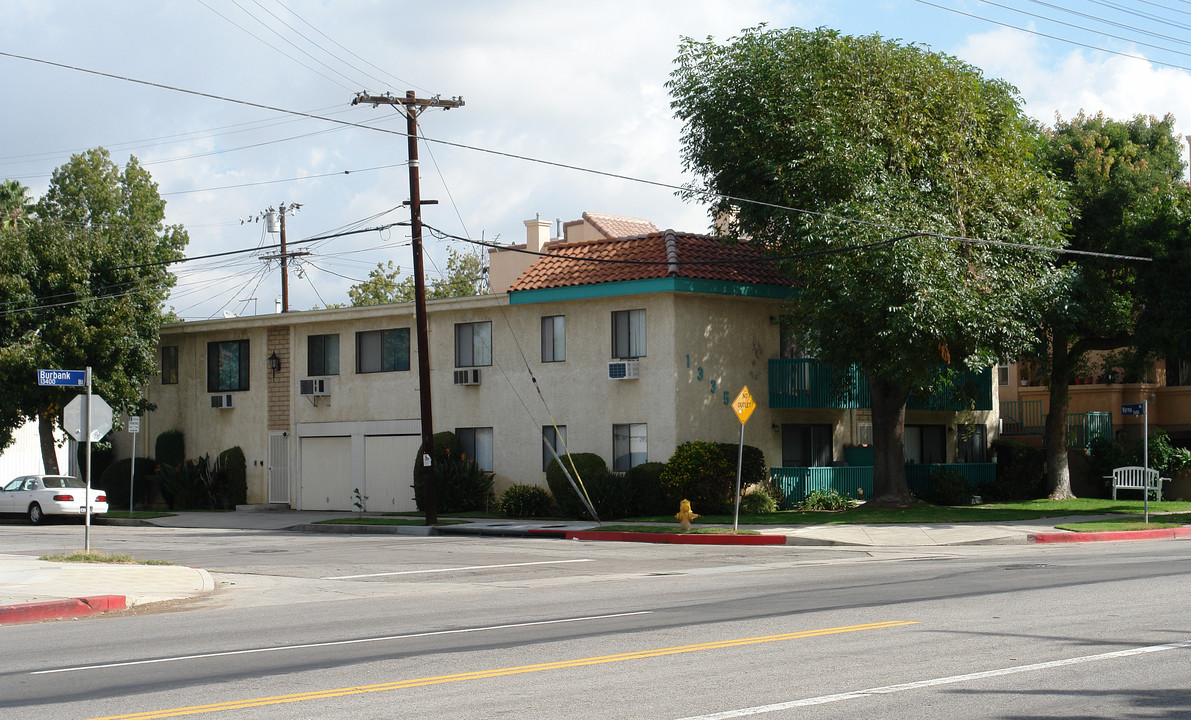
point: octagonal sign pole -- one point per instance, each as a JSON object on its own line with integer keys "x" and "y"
{"x": 87, "y": 417}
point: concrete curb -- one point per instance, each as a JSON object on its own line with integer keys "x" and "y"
{"x": 54, "y": 609}
{"x": 671, "y": 538}
{"x": 349, "y": 529}
{"x": 1068, "y": 536}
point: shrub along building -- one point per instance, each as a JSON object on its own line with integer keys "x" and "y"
{"x": 616, "y": 339}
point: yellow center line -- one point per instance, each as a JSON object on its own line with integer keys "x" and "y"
{"x": 496, "y": 672}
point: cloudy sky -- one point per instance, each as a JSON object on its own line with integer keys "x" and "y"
{"x": 580, "y": 85}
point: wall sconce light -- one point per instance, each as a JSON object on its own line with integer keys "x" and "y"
{"x": 274, "y": 363}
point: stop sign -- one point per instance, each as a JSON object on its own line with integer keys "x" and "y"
{"x": 74, "y": 418}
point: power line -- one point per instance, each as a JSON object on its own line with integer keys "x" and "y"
{"x": 653, "y": 183}
{"x": 293, "y": 12}
{"x": 275, "y": 48}
{"x": 1097, "y": 48}
{"x": 1086, "y": 29}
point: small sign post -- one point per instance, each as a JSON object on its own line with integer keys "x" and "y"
{"x": 743, "y": 406}
{"x": 1143, "y": 409}
{"x": 134, "y": 427}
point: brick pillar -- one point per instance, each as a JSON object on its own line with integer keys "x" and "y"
{"x": 280, "y": 384}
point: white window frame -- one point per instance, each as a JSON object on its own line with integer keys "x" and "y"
{"x": 556, "y": 440}
{"x": 373, "y": 341}
{"x": 554, "y": 338}
{"x": 473, "y": 344}
{"x": 630, "y": 446}
{"x": 477, "y": 444}
{"x": 628, "y": 334}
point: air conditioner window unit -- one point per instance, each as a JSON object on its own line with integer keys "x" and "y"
{"x": 314, "y": 387}
{"x": 467, "y": 376}
{"x": 223, "y": 401}
{"x": 624, "y": 369}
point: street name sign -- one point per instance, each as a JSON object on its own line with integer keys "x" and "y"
{"x": 70, "y": 378}
{"x": 1132, "y": 409}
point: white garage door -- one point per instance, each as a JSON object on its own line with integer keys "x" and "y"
{"x": 388, "y": 472}
{"x": 326, "y": 473}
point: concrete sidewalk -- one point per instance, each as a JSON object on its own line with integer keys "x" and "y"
{"x": 32, "y": 589}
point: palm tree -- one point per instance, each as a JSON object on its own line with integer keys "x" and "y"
{"x": 15, "y": 207}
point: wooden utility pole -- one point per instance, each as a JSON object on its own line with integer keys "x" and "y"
{"x": 284, "y": 266}
{"x": 413, "y": 106}
{"x": 284, "y": 256}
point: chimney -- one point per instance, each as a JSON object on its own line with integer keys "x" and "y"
{"x": 537, "y": 234}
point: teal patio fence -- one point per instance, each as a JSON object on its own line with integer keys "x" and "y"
{"x": 795, "y": 483}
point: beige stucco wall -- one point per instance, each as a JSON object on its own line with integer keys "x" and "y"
{"x": 186, "y": 406}
{"x": 723, "y": 344}
{"x": 699, "y": 347}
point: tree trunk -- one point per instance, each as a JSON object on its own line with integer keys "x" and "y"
{"x": 1054, "y": 435}
{"x": 49, "y": 450}
{"x": 889, "y": 442}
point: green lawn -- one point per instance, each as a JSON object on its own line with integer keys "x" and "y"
{"x": 992, "y": 512}
{"x": 1130, "y": 523}
{"x": 672, "y": 529}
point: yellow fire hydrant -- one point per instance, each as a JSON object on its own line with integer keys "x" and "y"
{"x": 685, "y": 516}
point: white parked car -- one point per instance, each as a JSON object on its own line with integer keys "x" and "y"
{"x": 36, "y": 496}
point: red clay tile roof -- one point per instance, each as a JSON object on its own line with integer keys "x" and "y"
{"x": 618, "y": 226}
{"x": 661, "y": 254}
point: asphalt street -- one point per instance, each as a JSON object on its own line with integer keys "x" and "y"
{"x": 364, "y": 626}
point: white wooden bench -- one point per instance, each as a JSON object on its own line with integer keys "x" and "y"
{"x": 1134, "y": 477}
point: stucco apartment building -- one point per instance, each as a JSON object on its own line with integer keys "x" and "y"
{"x": 617, "y": 339}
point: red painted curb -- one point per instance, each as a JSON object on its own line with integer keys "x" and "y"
{"x": 672, "y": 538}
{"x": 32, "y": 612}
{"x": 1074, "y": 537}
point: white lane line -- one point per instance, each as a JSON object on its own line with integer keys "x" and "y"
{"x": 824, "y": 699}
{"x": 457, "y": 569}
{"x": 334, "y": 643}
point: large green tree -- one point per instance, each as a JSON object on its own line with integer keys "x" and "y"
{"x": 85, "y": 287}
{"x": 831, "y": 148}
{"x": 463, "y": 277}
{"x": 1126, "y": 180}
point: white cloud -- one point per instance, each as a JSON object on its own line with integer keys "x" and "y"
{"x": 1120, "y": 87}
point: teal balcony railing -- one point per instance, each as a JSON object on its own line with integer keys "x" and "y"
{"x": 1083, "y": 427}
{"x": 809, "y": 383}
{"x": 1025, "y": 417}
{"x": 795, "y": 483}
{"x": 1021, "y": 417}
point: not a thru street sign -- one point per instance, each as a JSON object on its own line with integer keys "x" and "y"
{"x": 70, "y": 378}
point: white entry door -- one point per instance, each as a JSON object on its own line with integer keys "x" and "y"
{"x": 279, "y": 467}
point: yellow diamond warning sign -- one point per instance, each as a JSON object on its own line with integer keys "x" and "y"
{"x": 744, "y": 405}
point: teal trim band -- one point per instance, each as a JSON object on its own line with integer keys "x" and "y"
{"x": 651, "y": 285}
